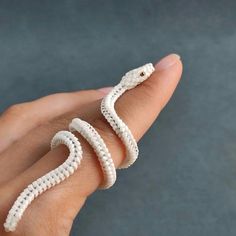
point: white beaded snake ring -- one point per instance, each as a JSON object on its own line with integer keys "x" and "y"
{"x": 47, "y": 181}
{"x": 97, "y": 143}
{"x": 130, "y": 80}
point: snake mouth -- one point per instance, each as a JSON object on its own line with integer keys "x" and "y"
{"x": 137, "y": 76}
{"x": 148, "y": 69}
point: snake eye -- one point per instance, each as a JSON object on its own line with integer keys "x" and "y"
{"x": 142, "y": 74}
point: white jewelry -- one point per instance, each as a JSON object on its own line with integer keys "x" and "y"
{"x": 130, "y": 80}
{"x": 56, "y": 176}
{"x": 47, "y": 181}
{"x": 100, "y": 148}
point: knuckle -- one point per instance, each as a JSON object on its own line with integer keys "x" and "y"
{"x": 15, "y": 109}
{"x": 60, "y": 123}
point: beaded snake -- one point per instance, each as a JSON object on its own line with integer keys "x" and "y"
{"x": 130, "y": 80}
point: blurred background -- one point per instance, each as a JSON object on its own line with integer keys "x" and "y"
{"x": 185, "y": 180}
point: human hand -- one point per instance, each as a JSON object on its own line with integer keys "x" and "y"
{"x": 27, "y": 129}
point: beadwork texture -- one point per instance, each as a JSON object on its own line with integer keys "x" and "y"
{"x": 100, "y": 148}
{"x": 130, "y": 80}
{"x": 47, "y": 181}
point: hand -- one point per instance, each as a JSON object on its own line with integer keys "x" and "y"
{"x": 27, "y": 129}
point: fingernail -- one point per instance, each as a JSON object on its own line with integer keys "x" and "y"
{"x": 105, "y": 90}
{"x": 167, "y": 62}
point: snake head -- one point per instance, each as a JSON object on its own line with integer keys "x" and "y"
{"x": 136, "y": 76}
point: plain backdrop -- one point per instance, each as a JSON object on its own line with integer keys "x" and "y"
{"x": 184, "y": 183}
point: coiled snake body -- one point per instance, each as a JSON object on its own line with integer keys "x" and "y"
{"x": 130, "y": 80}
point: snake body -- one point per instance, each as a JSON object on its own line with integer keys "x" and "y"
{"x": 130, "y": 80}
{"x": 47, "y": 181}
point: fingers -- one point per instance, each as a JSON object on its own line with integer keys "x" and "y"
{"x": 19, "y": 119}
{"x": 138, "y": 108}
{"x": 32, "y": 146}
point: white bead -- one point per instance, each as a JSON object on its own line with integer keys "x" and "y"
{"x": 99, "y": 146}
{"x": 47, "y": 181}
{"x": 56, "y": 176}
{"x": 129, "y": 81}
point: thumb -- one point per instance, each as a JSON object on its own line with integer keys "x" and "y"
{"x": 138, "y": 108}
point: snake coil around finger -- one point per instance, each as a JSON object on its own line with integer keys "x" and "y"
{"x": 129, "y": 81}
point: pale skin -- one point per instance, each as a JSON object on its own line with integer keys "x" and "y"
{"x": 26, "y": 131}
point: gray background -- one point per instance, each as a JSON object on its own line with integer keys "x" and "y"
{"x": 185, "y": 181}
